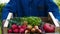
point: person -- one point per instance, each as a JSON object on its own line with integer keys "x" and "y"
{"x": 39, "y": 8}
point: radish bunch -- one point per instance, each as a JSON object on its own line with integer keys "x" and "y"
{"x": 17, "y": 29}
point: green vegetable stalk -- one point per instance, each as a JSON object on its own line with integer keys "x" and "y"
{"x": 31, "y": 20}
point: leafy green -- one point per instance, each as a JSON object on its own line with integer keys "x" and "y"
{"x": 31, "y": 20}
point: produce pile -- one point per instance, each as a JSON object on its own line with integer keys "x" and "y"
{"x": 29, "y": 25}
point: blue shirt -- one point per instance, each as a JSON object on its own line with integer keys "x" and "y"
{"x": 39, "y": 8}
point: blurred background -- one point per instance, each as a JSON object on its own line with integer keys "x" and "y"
{"x": 4, "y": 2}
{"x": 57, "y": 3}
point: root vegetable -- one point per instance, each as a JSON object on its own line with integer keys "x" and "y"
{"x": 10, "y": 31}
{"x": 24, "y": 26}
{"x": 36, "y": 27}
{"x": 29, "y": 27}
{"x": 19, "y": 26}
{"x": 27, "y": 31}
{"x": 21, "y": 30}
{"x": 49, "y": 28}
{"x": 33, "y": 30}
{"x": 14, "y": 26}
{"x": 39, "y": 30}
{"x": 16, "y": 31}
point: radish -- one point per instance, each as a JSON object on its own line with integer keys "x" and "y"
{"x": 19, "y": 26}
{"x": 10, "y": 31}
{"x": 24, "y": 26}
{"x": 16, "y": 31}
{"x": 14, "y": 26}
{"x": 21, "y": 30}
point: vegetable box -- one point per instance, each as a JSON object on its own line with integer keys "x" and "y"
{"x": 38, "y": 25}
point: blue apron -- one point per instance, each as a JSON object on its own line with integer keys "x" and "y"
{"x": 21, "y": 8}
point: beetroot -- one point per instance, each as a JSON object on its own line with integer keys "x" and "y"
{"x": 14, "y": 26}
{"x": 10, "y": 31}
{"x": 49, "y": 28}
{"x": 16, "y": 30}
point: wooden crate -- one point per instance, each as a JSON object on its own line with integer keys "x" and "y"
{"x": 48, "y": 19}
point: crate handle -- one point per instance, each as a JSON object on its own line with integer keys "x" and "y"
{"x": 54, "y": 19}
{"x": 10, "y": 15}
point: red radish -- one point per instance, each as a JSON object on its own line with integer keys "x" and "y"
{"x": 10, "y": 31}
{"x": 16, "y": 31}
{"x": 21, "y": 30}
{"x": 19, "y": 26}
{"x": 14, "y": 26}
{"x": 24, "y": 26}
